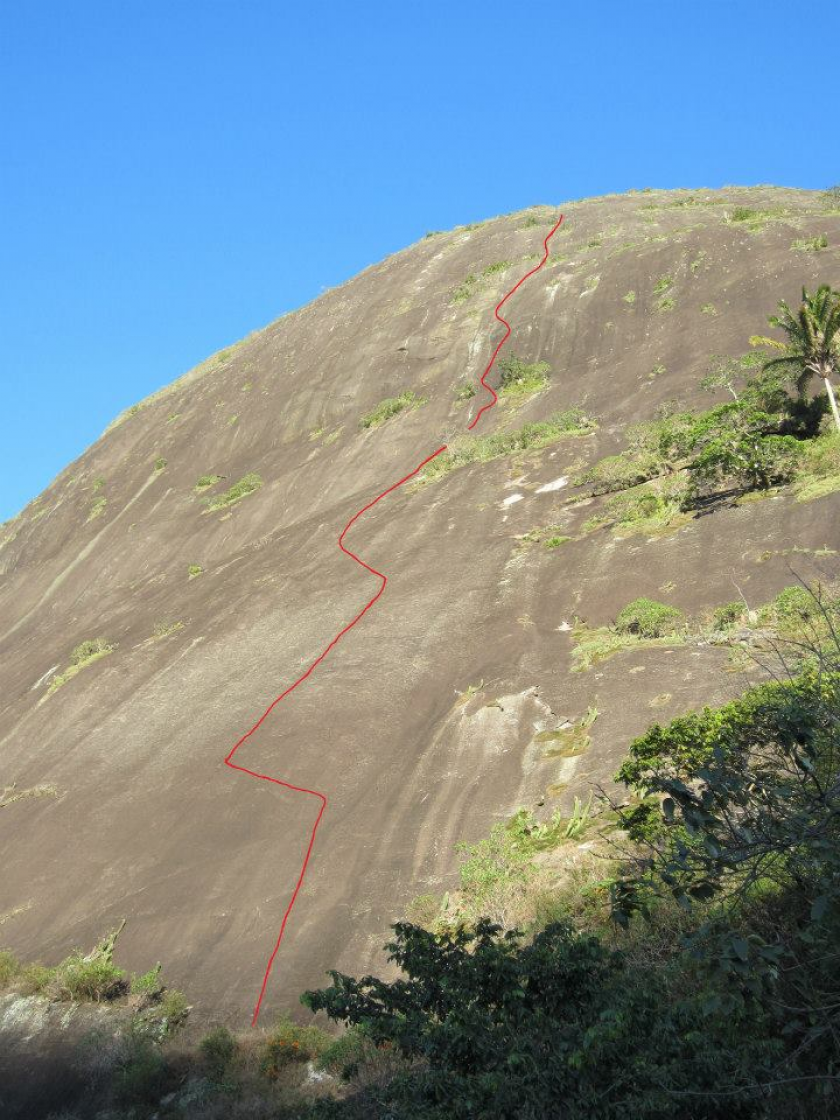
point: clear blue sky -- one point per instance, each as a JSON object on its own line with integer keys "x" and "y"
{"x": 176, "y": 174}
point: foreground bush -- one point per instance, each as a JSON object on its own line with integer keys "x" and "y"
{"x": 720, "y": 999}
{"x": 140, "y": 1074}
{"x": 745, "y": 820}
{"x": 560, "y": 1027}
{"x": 218, "y": 1049}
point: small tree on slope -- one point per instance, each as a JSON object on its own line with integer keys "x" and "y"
{"x": 813, "y": 345}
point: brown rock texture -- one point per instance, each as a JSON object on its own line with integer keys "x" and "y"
{"x": 420, "y": 727}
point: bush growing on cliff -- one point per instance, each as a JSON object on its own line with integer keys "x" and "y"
{"x": 621, "y": 472}
{"x": 755, "y": 461}
{"x": 88, "y": 650}
{"x": 206, "y": 481}
{"x": 520, "y": 379}
{"x": 149, "y": 984}
{"x": 726, "y": 615}
{"x": 140, "y": 1074}
{"x": 766, "y": 435}
{"x": 84, "y": 654}
{"x": 82, "y": 980}
{"x": 793, "y": 608}
{"x": 654, "y": 507}
{"x": 648, "y": 618}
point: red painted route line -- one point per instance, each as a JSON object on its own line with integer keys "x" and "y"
{"x": 384, "y": 580}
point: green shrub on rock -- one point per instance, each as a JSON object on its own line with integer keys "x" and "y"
{"x": 724, "y": 617}
{"x": 82, "y": 980}
{"x": 648, "y": 619}
{"x": 621, "y": 472}
{"x": 520, "y": 379}
{"x": 792, "y": 609}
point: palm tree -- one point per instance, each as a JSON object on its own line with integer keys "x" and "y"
{"x": 813, "y": 339}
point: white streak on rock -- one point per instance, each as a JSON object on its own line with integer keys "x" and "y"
{"x": 557, "y": 484}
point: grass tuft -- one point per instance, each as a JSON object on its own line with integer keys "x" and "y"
{"x": 164, "y": 629}
{"x": 97, "y": 508}
{"x": 84, "y": 654}
{"x": 10, "y": 794}
{"x": 493, "y": 269}
{"x": 818, "y": 470}
{"x": 810, "y": 244}
{"x": 241, "y": 489}
{"x": 391, "y": 406}
{"x": 465, "y": 290}
{"x": 593, "y": 646}
{"x": 530, "y": 437}
{"x": 206, "y": 481}
{"x": 10, "y": 967}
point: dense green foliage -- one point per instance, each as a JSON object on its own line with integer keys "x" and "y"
{"x": 83, "y": 980}
{"x": 732, "y": 1012}
{"x": 760, "y": 438}
{"x": 748, "y": 823}
{"x": 557, "y": 1027}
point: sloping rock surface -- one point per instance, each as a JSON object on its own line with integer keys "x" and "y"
{"x": 420, "y": 726}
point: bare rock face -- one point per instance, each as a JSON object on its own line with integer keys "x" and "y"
{"x": 422, "y": 725}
